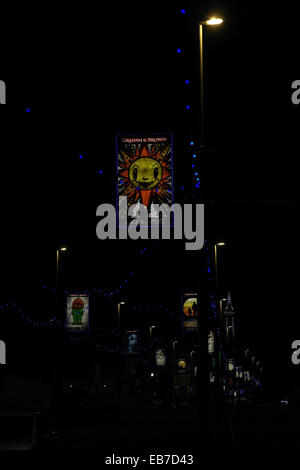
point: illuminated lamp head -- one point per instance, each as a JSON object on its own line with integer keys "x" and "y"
{"x": 145, "y": 173}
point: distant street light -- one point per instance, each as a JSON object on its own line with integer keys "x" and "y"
{"x": 151, "y": 328}
{"x": 216, "y": 265}
{"x": 120, "y": 357}
{"x": 63, "y": 248}
{"x": 119, "y": 314}
{"x": 221, "y": 312}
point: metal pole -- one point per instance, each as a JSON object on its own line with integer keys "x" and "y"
{"x": 57, "y": 270}
{"x": 119, "y": 317}
{"x": 216, "y": 270}
{"x": 120, "y": 361}
{"x": 201, "y": 86}
{"x": 218, "y": 305}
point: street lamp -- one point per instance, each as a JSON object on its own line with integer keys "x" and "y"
{"x": 151, "y": 328}
{"x": 213, "y": 21}
{"x": 120, "y": 356}
{"x": 119, "y": 314}
{"x": 216, "y": 263}
{"x": 63, "y": 248}
{"x": 221, "y": 312}
{"x": 210, "y": 22}
{"x": 202, "y": 332}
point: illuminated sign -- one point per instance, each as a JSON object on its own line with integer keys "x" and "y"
{"x": 182, "y": 366}
{"x": 160, "y": 357}
{"x": 189, "y": 312}
{"x": 77, "y": 312}
{"x": 132, "y": 340}
{"x": 211, "y": 343}
{"x": 144, "y": 167}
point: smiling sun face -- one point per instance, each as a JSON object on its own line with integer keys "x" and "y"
{"x": 145, "y": 173}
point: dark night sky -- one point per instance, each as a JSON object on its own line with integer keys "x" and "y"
{"x": 97, "y": 72}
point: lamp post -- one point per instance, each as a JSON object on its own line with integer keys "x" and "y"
{"x": 57, "y": 373}
{"x": 151, "y": 329}
{"x": 120, "y": 358}
{"x": 119, "y": 315}
{"x": 218, "y": 370}
{"x": 210, "y": 22}
{"x": 203, "y": 379}
{"x": 63, "y": 248}
{"x": 221, "y": 313}
{"x": 216, "y": 265}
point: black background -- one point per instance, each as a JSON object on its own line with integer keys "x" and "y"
{"x": 88, "y": 74}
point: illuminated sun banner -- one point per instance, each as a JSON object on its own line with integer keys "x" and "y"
{"x": 144, "y": 165}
